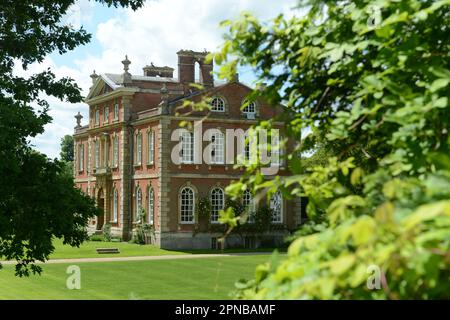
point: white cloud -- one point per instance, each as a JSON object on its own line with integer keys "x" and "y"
{"x": 153, "y": 33}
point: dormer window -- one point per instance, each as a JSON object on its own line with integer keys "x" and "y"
{"x": 250, "y": 110}
{"x": 217, "y": 105}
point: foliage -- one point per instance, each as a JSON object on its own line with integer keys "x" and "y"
{"x": 106, "y": 231}
{"x": 37, "y": 200}
{"x": 97, "y": 237}
{"x": 203, "y": 208}
{"x": 370, "y": 81}
{"x": 66, "y": 153}
{"x": 143, "y": 230}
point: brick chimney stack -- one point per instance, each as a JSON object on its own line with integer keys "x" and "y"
{"x": 186, "y": 68}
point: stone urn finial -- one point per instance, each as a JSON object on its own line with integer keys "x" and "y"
{"x": 126, "y": 76}
{"x": 78, "y": 116}
{"x": 94, "y": 77}
{"x": 126, "y": 64}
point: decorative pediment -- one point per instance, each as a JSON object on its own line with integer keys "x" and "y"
{"x": 101, "y": 86}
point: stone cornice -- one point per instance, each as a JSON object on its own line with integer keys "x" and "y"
{"x": 124, "y": 91}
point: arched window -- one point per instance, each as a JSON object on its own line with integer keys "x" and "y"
{"x": 97, "y": 153}
{"x": 97, "y": 116}
{"x": 115, "y": 205}
{"x": 151, "y": 206}
{"x": 187, "y": 205}
{"x": 249, "y": 204}
{"x": 218, "y": 146}
{"x": 138, "y": 148}
{"x": 250, "y": 110}
{"x": 106, "y": 114}
{"x": 276, "y": 204}
{"x": 116, "y": 109}
{"x": 218, "y": 105}
{"x": 81, "y": 157}
{"x": 217, "y": 203}
{"x": 150, "y": 147}
{"x": 138, "y": 203}
{"x": 115, "y": 159}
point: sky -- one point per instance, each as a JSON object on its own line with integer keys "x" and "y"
{"x": 153, "y": 33}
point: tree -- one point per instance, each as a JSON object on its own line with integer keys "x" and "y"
{"x": 66, "y": 153}
{"x": 370, "y": 80}
{"x": 37, "y": 200}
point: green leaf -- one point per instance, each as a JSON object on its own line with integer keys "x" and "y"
{"x": 438, "y": 84}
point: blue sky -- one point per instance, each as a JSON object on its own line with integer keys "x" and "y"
{"x": 153, "y": 33}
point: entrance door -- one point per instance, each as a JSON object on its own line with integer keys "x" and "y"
{"x": 101, "y": 206}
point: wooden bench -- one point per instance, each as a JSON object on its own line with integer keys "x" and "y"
{"x": 107, "y": 250}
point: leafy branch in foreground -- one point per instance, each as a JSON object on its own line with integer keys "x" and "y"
{"x": 38, "y": 199}
{"x": 375, "y": 97}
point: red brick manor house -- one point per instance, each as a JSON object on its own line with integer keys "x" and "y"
{"x": 123, "y": 155}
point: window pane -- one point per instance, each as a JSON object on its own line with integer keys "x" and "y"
{"x": 217, "y": 203}
{"x": 276, "y": 204}
{"x": 187, "y": 205}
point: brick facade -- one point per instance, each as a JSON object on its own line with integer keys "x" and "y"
{"x": 127, "y": 109}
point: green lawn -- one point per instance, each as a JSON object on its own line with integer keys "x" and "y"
{"x": 87, "y": 250}
{"x": 206, "y": 278}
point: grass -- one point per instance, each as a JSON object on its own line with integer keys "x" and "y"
{"x": 87, "y": 250}
{"x": 206, "y": 278}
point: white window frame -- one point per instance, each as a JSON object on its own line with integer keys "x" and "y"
{"x": 138, "y": 160}
{"x": 97, "y": 116}
{"x": 138, "y": 203}
{"x": 115, "y": 159}
{"x": 106, "y": 114}
{"x": 184, "y": 212}
{"x": 116, "y": 109}
{"x": 278, "y": 150}
{"x": 249, "y": 203}
{"x": 187, "y": 147}
{"x": 150, "y": 147}
{"x": 97, "y": 153}
{"x": 276, "y": 204}
{"x": 250, "y": 110}
{"x": 81, "y": 157}
{"x": 217, "y": 104}
{"x": 217, "y": 198}
{"x": 115, "y": 205}
{"x": 151, "y": 205}
{"x": 218, "y": 147}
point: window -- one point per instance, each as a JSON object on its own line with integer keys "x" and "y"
{"x": 97, "y": 116}
{"x": 138, "y": 204}
{"x": 276, "y": 151}
{"x": 81, "y": 157}
{"x": 217, "y": 203}
{"x": 218, "y": 105}
{"x": 249, "y": 204}
{"x": 150, "y": 147}
{"x": 187, "y": 147}
{"x": 276, "y": 204}
{"x": 115, "y": 205}
{"x": 115, "y": 151}
{"x": 151, "y": 206}
{"x": 97, "y": 153}
{"x": 116, "y": 109}
{"x": 217, "y": 150}
{"x": 250, "y": 109}
{"x": 138, "y": 148}
{"x": 106, "y": 115}
{"x": 187, "y": 205}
